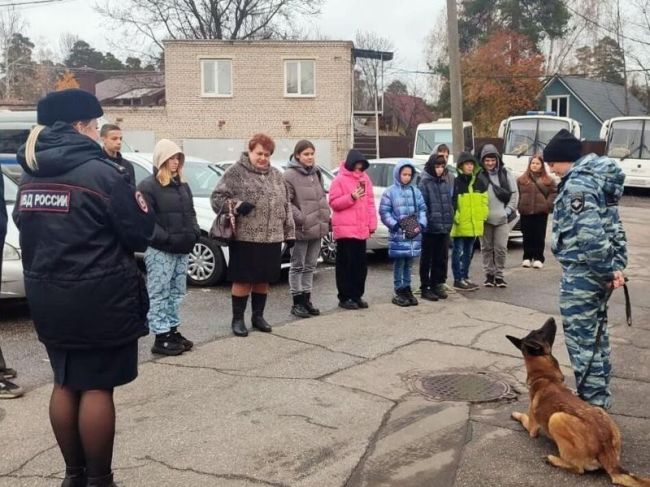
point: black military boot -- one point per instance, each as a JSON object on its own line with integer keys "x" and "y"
{"x": 238, "y": 309}
{"x": 187, "y": 344}
{"x": 258, "y": 303}
{"x": 298, "y": 309}
{"x": 167, "y": 344}
{"x": 310, "y": 307}
{"x": 75, "y": 477}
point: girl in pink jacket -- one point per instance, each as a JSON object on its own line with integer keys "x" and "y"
{"x": 354, "y": 219}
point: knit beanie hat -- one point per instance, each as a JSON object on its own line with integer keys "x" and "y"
{"x": 165, "y": 149}
{"x": 67, "y": 106}
{"x": 563, "y": 147}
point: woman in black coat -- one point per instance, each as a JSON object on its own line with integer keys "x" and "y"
{"x": 174, "y": 237}
{"x": 80, "y": 222}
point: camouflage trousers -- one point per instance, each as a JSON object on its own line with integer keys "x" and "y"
{"x": 583, "y": 304}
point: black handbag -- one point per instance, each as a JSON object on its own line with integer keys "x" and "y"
{"x": 410, "y": 224}
{"x": 223, "y": 226}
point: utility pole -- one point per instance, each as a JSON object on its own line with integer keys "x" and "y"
{"x": 454, "y": 78}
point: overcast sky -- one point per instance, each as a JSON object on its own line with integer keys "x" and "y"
{"x": 407, "y": 24}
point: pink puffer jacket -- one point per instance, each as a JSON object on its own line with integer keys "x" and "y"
{"x": 350, "y": 218}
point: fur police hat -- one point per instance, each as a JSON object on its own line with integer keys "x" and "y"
{"x": 563, "y": 147}
{"x": 67, "y": 106}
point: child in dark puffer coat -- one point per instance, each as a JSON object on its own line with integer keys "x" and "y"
{"x": 398, "y": 202}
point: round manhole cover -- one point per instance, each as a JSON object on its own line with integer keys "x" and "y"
{"x": 460, "y": 387}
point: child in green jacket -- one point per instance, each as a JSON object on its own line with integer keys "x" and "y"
{"x": 470, "y": 212}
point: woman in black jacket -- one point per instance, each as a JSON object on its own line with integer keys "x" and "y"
{"x": 174, "y": 237}
{"x": 80, "y": 222}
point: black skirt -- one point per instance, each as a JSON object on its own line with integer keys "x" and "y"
{"x": 97, "y": 368}
{"x": 254, "y": 262}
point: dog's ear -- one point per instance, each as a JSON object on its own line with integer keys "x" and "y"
{"x": 533, "y": 348}
{"x": 515, "y": 341}
{"x": 549, "y": 330}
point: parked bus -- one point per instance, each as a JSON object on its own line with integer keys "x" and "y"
{"x": 627, "y": 142}
{"x": 525, "y": 135}
{"x": 428, "y": 135}
{"x": 14, "y": 130}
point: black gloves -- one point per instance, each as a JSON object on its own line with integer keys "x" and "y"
{"x": 244, "y": 208}
{"x": 290, "y": 243}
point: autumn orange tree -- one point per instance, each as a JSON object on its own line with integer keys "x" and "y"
{"x": 65, "y": 81}
{"x": 501, "y": 78}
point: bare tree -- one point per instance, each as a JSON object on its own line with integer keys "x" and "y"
{"x": 370, "y": 72}
{"x": 156, "y": 20}
{"x": 67, "y": 41}
{"x": 11, "y": 23}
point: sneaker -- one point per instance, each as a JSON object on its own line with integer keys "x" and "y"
{"x": 9, "y": 390}
{"x": 348, "y": 304}
{"x": 489, "y": 281}
{"x": 400, "y": 298}
{"x": 8, "y": 373}
{"x": 413, "y": 301}
{"x": 500, "y": 282}
{"x": 471, "y": 283}
{"x": 525, "y": 263}
{"x": 167, "y": 344}
{"x": 448, "y": 289}
{"x": 361, "y": 303}
{"x": 187, "y": 344}
{"x": 463, "y": 286}
{"x": 441, "y": 291}
{"x": 538, "y": 264}
{"x": 429, "y": 294}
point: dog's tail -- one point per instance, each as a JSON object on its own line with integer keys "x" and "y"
{"x": 618, "y": 474}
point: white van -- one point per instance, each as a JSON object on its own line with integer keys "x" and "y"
{"x": 525, "y": 135}
{"x": 428, "y": 135}
{"x": 628, "y": 142}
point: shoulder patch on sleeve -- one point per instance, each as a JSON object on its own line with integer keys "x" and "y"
{"x": 577, "y": 202}
{"x": 141, "y": 202}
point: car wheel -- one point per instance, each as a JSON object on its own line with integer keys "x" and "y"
{"x": 206, "y": 265}
{"x": 328, "y": 248}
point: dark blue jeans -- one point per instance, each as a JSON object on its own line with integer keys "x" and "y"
{"x": 461, "y": 256}
{"x": 402, "y": 272}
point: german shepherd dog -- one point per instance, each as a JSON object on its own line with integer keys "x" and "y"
{"x": 585, "y": 435}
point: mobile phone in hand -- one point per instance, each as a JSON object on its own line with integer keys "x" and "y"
{"x": 362, "y": 185}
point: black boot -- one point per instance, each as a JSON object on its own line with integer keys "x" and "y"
{"x": 75, "y": 477}
{"x": 258, "y": 303}
{"x": 187, "y": 344}
{"x": 238, "y": 309}
{"x": 299, "y": 309}
{"x": 310, "y": 307}
{"x": 167, "y": 344}
{"x": 104, "y": 481}
{"x": 400, "y": 298}
{"x": 409, "y": 295}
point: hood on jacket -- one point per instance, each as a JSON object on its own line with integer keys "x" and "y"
{"x": 434, "y": 151}
{"x": 295, "y": 164}
{"x": 490, "y": 150}
{"x": 605, "y": 171}
{"x": 464, "y": 157}
{"x": 59, "y": 149}
{"x": 353, "y": 157}
{"x": 165, "y": 149}
{"x": 402, "y": 163}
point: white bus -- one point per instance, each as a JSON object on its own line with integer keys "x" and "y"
{"x": 525, "y": 135}
{"x": 428, "y": 135}
{"x": 627, "y": 142}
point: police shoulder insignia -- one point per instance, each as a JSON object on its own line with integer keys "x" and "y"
{"x": 141, "y": 202}
{"x": 577, "y": 202}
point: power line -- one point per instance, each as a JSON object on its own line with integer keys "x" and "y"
{"x": 607, "y": 29}
{"x": 28, "y": 2}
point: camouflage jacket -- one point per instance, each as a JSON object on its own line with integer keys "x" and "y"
{"x": 587, "y": 230}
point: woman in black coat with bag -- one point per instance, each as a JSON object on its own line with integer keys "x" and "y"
{"x": 80, "y": 222}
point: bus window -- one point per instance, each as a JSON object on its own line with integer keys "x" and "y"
{"x": 645, "y": 150}
{"x": 427, "y": 139}
{"x": 468, "y": 139}
{"x": 625, "y": 139}
{"x": 547, "y": 130}
{"x": 11, "y": 140}
{"x": 521, "y": 137}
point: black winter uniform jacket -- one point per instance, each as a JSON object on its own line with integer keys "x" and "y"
{"x": 80, "y": 222}
{"x": 176, "y": 228}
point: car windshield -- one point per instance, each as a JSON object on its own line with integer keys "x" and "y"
{"x": 625, "y": 139}
{"x": 529, "y": 136}
{"x": 202, "y": 177}
{"x": 426, "y": 140}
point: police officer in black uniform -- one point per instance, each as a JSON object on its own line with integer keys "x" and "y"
{"x": 80, "y": 221}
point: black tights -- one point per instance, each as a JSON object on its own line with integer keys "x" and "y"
{"x": 84, "y": 427}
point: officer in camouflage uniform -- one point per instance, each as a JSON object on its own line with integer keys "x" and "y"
{"x": 589, "y": 242}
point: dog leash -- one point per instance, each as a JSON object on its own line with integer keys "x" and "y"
{"x": 601, "y": 327}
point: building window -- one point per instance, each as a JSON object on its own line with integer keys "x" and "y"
{"x": 299, "y": 78}
{"x": 558, "y": 104}
{"x": 216, "y": 77}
